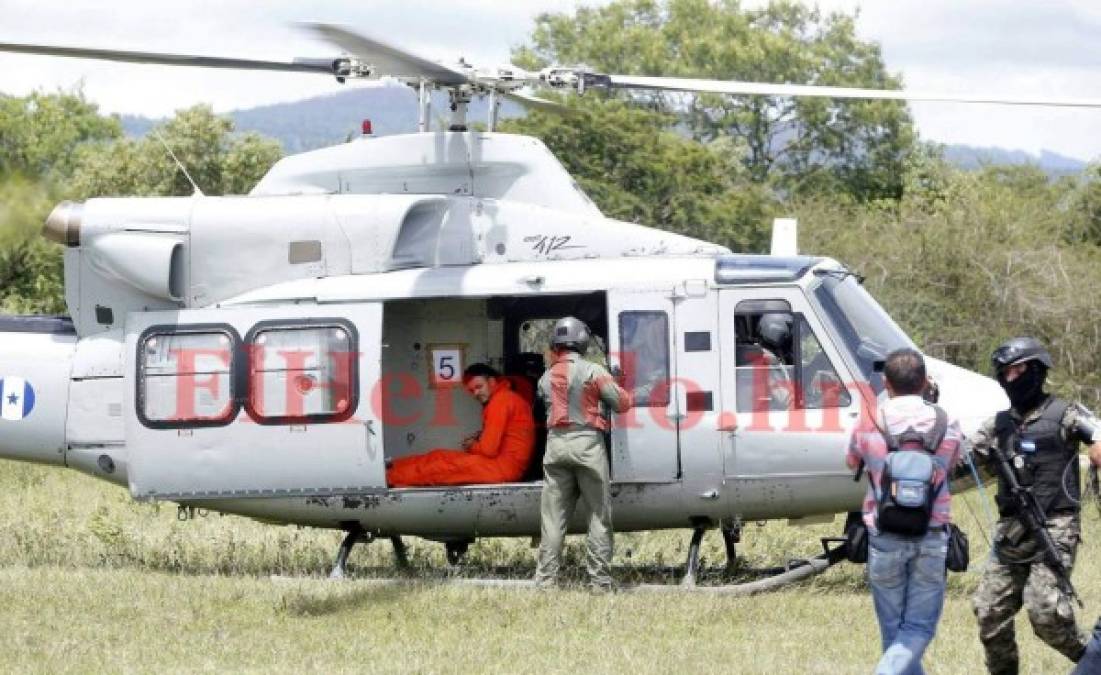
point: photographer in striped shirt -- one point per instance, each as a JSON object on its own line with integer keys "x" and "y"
{"x": 908, "y": 452}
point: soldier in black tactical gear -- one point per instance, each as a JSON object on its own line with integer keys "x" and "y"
{"x": 1038, "y": 437}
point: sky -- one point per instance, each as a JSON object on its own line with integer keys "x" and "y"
{"x": 1029, "y": 48}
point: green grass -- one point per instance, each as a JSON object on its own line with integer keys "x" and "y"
{"x": 93, "y": 582}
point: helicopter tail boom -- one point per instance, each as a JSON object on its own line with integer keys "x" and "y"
{"x": 35, "y": 365}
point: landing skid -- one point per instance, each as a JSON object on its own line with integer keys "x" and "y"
{"x": 808, "y": 569}
{"x": 774, "y": 577}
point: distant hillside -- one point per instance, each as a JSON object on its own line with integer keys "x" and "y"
{"x": 325, "y": 120}
{"x": 970, "y": 157}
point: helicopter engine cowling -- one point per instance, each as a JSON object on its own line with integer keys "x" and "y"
{"x": 152, "y": 263}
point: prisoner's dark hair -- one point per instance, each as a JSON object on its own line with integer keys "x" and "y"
{"x": 905, "y": 371}
{"x": 479, "y": 370}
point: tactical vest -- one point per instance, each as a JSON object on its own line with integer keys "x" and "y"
{"x": 1045, "y": 455}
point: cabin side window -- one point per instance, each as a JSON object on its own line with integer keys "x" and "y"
{"x": 780, "y": 363}
{"x": 185, "y": 377}
{"x": 302, "y": 373}
{"x": 644, "y": 353}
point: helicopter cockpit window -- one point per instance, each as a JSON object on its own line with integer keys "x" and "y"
{"x": 867, "y": 330}
{"x": 185, "y": 377}
{"x": 644, "y": 353}
{"x": 304, "y": 373}
{"x": 780, "y": 363}
{"x": 819, "y": 384}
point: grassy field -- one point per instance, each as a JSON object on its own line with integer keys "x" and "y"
{"x": 92, "y": 582}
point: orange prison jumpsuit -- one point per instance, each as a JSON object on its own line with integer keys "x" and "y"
{"x": 500, "y": 455}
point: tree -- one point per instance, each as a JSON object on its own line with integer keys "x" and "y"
{"x": 38, "y": 137}
{"x": 636, "y": 169}
{"x": 805, "y": 145}
{"x": 30, "y": 266}
{"x": 39, "y": 133}
{"x": 1085, "y": 204}
{"x": 55, "y": 147}
{"x": 218, "y": 161}
{"x": 968, "y": 259}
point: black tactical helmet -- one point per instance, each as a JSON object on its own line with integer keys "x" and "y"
{"x": 1019, "y": 350}
{"x": 775, "y": 330}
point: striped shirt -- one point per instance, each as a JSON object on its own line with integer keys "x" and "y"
{"x": 899, "y": 414}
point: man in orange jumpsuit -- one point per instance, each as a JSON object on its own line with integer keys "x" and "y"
{"x": 500, "y": 454}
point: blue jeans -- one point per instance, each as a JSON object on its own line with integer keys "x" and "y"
{"x": 907, "y": 576}
{"x": 1091, "y": 660}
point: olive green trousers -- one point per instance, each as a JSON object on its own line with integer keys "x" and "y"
{"x": 575, "y": 467}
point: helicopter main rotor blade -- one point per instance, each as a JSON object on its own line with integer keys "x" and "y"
{"x": 327, "y": 66}
{"x": 387, "y": 59}
{"x": 765, "y": 89}
{"x": 529, "y": 101}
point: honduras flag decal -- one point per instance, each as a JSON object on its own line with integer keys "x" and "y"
{"x": 16, "y": 398}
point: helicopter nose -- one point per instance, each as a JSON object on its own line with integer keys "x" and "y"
{"x": 966, "y": 395}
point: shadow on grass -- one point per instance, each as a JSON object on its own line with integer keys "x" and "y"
{"x": 335, "y": 598}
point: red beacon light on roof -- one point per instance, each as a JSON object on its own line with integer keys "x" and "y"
{"x": 367, "y": 128}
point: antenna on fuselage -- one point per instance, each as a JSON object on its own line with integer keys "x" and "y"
{"x": 194, "y": 185}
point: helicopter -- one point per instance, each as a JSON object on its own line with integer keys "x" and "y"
{"x": 266, "y": 355}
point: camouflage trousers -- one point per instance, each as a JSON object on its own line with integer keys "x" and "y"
{"x": 575, "y": 469}
{"x": 1012, "y": 579}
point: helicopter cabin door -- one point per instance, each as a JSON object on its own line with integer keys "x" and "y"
{"x": 640, "y": 347}
{"x": 789, "y": 404}
{"x": 254, "y": 402}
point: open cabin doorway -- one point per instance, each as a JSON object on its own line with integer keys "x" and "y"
{"x": 427, "y": 343}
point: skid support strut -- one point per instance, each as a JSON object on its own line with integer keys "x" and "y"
{"x": 355, "y": 535}
{"x": 732, "y": 535}
{"x": 692, "y": 566}
{"x": 456, "y": 550}
{"x": 401, "y": 556}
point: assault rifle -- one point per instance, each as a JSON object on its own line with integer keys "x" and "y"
{"x": 1032, "y": 517}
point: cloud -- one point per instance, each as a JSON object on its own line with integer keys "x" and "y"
{"x": 999, "y": 48}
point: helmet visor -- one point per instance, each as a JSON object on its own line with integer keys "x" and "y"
{"x": 1016, "y": 351}
{"x": 1006, "y": 355}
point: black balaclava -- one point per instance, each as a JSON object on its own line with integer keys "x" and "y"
{"x": 1027, "y": 391}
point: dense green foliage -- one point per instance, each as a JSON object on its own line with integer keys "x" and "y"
{"x": 966, "y": 259}
{"x": 218, "y": 161}
{"x": 801, "y": 145}
{"x": 56, "y": 147}
{"x": 30, "y": 266}
{"x": 38, "y": 138}
{"x": 39, "y": 133}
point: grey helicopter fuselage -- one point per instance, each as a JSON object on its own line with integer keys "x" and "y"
{"x": 266, "y": 355}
